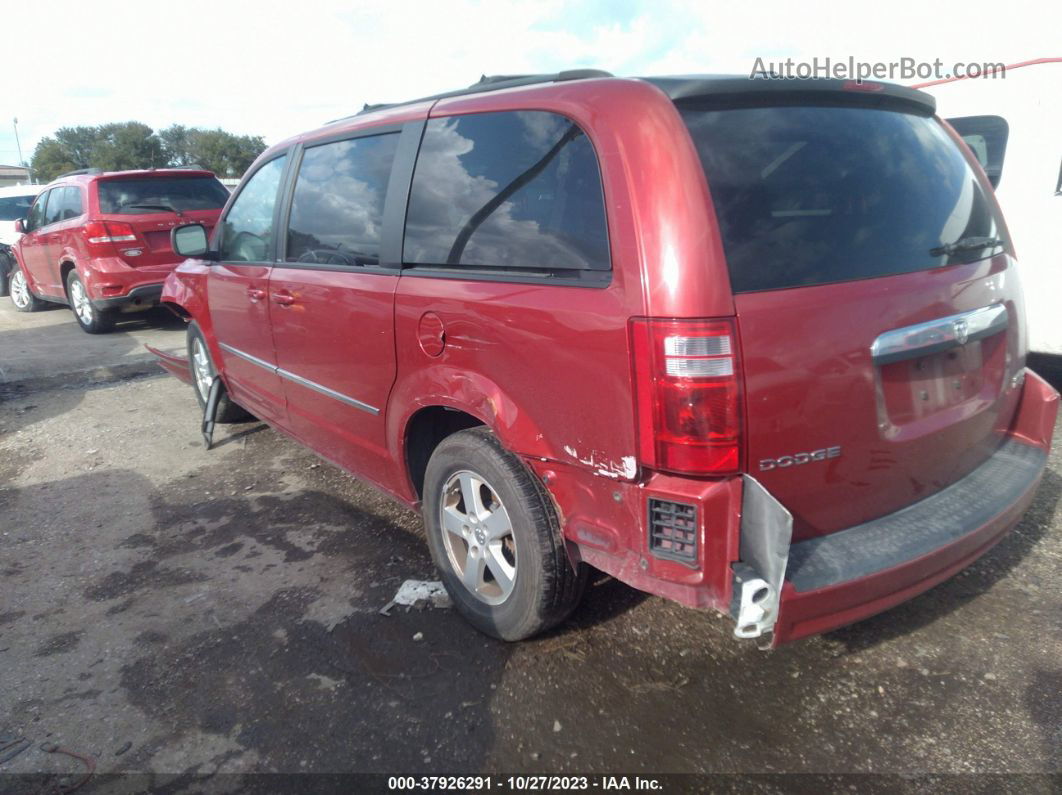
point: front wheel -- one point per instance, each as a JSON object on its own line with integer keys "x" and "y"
{"x": 203, "y": 373}
{"x": 91, "y": 319}
{"x": 7, "y": 267}
{"x": 21, "y": 294}
{"x": 495, "y": 538}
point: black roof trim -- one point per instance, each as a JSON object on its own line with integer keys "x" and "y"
{"x": 731, "y": 90}
{"x": 490, "y": 83}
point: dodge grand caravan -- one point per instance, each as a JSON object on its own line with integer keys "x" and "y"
{"x": 100, "y": 241}
{"x": 752, "y": 346}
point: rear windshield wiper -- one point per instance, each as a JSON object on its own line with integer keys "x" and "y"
{"x": 164, "y": 207}
{"x": 965, "y": 244}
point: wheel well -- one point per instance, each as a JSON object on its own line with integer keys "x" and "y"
{"x": 426, "y": 429}
{"x": 64, "y": 272}
{"x": 178, "y": 310}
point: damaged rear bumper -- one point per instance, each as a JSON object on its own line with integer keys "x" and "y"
{"x": 843, "y": 577}
{"x": 746, "y": 565}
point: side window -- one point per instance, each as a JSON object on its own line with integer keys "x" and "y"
{"x": 54, "y": 212}
{"x": 247, "y": 231}
{"x": 72, "y": 204}
{"x": 35, "y": 219}
{"x": 512, "y": 190}
{"x": 337, "y": 208}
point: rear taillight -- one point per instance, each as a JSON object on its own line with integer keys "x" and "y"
{"x": 687, "y": 394}
{"x": 104, "y": 232}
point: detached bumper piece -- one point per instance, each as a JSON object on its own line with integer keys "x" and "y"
{"x": 766, "y": 530}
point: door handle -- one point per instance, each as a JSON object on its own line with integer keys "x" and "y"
{"x": 255, "y": 293}
{"x": 283, "y": 298}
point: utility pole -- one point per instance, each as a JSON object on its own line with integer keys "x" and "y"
{"x": 22, "y": 161}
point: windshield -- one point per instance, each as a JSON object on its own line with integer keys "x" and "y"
{"x": 158, "y": 195}
{"x": 14, "y": 207}
{"x": 812, "y": 195}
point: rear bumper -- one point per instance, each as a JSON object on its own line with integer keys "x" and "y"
{"x": 112, "y": 283}
{"x": 846, "y": 576}
{"x": 143, "y": 297}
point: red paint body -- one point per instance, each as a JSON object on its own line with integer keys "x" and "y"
{"x": 109, "y": 274}
{"x": 548, "y": 368}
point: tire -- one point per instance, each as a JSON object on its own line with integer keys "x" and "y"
{"x": 91, "y": 319}
{"x": 21, "y": 294}
{"x": 201, "y": 367}
{"x": 7, "y": 266}
{"x": 525, "y": 583}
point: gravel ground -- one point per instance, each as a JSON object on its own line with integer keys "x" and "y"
{"x": 170, "y": 610}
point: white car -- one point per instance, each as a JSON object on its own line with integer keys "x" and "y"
{"x": 1012, "y": 126}
{"x": 15, "y": 203}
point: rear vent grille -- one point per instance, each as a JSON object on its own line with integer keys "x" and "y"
{"x": 673, "y": 530}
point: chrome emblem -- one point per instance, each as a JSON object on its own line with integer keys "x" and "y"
{"x": 796, "y": 459}
{"x": 962, "y": 330}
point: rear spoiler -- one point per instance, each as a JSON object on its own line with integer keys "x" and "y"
{"x": 735, "y": 92}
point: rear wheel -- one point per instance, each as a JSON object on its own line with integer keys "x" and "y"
{"x": 203, "y": 372}
{"x": 495, "y": 538}
{"x": 91, "y": 319}
{"x": 21, "y": 294}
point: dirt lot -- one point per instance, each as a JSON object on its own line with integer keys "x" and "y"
{"x": 172, "y": 610}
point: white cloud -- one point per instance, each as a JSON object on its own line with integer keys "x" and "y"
{"x": 276, "y": 69}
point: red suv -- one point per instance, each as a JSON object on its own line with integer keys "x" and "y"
{"x": 100, "y": 241}
{"x": 750, "y": 345}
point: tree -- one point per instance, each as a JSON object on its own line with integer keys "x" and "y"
{"x": 132, "y": 145}
{"x": 71, "y": 148}
{"x": 175, "y": 145}
{"x": 50, "y": 159}
{"x": 126, "y": 145}
{"x": 225, "y": 154}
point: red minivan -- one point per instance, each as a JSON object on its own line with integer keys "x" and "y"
{"x": 100, "y": 241}
{"x": 750, "y": 345}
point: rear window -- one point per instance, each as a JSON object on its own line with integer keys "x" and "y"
{"x": 161, "y": 195}
{"x": 14, "y": 207}
{"x": 813, "y": 195}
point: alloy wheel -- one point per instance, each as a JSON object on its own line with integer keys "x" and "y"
{"x": 19, "y": 289}
{"x": 201, "y": 367}
{"x": 80, "y": 301}
{"x": 478, "y": 537}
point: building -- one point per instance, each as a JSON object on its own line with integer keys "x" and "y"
{"x": 13, "y": 175}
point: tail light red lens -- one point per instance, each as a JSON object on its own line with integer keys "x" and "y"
{"x": 687, "y": 393}
{"x": 106, "y": 232}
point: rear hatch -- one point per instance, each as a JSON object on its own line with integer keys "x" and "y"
{"x": 879, "y": 318}
{"x": 150, "y": 205}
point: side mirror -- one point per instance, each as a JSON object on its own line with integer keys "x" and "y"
{"x": 190, "y": 240}
{"x": 20, "y": 226}
{"x": 987, "y": 138}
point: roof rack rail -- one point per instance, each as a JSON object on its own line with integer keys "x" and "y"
{"x": 489, "y": 83}
{"x": 75, "y": 172}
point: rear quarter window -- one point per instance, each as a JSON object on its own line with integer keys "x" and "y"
{"x": 813, "y": 195}
{"x": 507, "y": 191}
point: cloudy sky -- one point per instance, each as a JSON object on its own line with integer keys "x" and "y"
{"x": 274, "y": 69}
